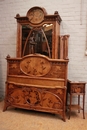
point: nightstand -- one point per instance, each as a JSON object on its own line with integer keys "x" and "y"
{"x": 76, "y": 88}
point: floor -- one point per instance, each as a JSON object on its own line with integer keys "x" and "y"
{"x": 20, "y": 119}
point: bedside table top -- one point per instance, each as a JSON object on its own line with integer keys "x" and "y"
{"x": 76, "y": 82}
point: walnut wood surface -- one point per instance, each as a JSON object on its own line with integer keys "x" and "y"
{"x": 35, "y": 81}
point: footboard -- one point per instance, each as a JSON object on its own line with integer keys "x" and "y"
{"x": 36, "y": 86}
{"x": 33, "y": 97}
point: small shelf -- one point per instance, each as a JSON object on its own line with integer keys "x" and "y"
{"x": 74, "y": 107}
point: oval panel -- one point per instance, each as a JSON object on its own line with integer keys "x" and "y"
{"x": 35, "y": 65}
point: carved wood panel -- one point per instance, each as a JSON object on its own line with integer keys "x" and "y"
{"x": 36, "y": 97}
{"x": 77, "y": 88}
{"x": 36, "y": 65}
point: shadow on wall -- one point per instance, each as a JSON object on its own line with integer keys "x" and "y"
{"x": 1, "y": 83}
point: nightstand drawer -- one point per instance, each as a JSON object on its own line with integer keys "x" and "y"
{"x": 77, "y": 88}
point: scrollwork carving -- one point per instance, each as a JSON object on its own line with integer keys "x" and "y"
{"x": 35, "y": 97}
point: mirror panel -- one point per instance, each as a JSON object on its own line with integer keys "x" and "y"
{"x": 37, "y": 40}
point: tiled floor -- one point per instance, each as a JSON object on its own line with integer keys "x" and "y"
{"x": 30, "y": 120}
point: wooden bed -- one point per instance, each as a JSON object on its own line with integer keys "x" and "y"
{"x": 37, "y": 76}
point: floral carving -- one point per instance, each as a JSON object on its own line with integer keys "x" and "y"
{"x": 35, "y": 97}
{"x": 36, "y": 66}
{"x": 77, "y": 89}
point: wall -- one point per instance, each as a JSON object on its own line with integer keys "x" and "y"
{"x": 74, "y": 23}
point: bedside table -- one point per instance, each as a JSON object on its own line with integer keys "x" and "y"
{"x": 76, "y": 88}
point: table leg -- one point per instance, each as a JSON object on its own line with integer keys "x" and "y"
{"x": 83, "y": 106}
{"x": 70, "y": 105}
{"x": 78, "y": 103}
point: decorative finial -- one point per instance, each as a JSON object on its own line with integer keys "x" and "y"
{"x": 56, "y": 12}
{"x": 17, "y": 15}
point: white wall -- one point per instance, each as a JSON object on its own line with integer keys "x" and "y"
{"x": 74, "y": 23}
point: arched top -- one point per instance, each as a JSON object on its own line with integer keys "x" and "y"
{"x": 35, "y": 65}
{"x": 36, "y": 14}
